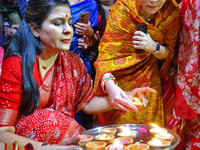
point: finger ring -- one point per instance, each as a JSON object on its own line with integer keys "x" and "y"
{"x": 116, "y": 108}
{"x": 140, "y": 45}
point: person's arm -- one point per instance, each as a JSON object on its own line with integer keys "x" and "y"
{"x": 10, "y": 138}
{"x": 103, "y": 104}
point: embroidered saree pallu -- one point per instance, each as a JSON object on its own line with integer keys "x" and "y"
{"x": 118, "y": 56}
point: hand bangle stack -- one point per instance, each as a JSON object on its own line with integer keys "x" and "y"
{"x": 111, "y": 77}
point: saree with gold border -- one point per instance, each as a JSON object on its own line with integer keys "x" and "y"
{"x": 118, "y": 56}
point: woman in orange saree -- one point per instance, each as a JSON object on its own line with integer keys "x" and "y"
{"x": 118, "y": 56}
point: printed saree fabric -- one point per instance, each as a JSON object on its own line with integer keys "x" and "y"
{"x": 1, "y": 57}
{"x": 76, "y": 10}
{"x": 188, "y": 89}
{"x": 188, "y": 78}
{"x": 64, "y": 90}
{"x": 118, "y": 56}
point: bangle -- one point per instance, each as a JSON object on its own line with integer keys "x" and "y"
{"x": 29, "y": 146}
{"x": 46, "y": 144}
{"x": 103, "y": 83}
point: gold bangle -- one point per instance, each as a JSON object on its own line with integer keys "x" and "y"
{"x": 16, "y": 146}
{"x": 21, "y": 148}
{"x": 9, "y": 147}
{"x": 111, "y": 77}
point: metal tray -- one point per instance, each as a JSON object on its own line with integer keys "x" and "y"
{"x": 138, "y": 137}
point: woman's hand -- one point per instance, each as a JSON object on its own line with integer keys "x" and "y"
{"x": 84, "y": 29}
{"x": 123, "y": 100}
{"x": 55, "y": 147}
{"x": 118, "y": 98}
{"x": 74, "y": 140}
{"x": 144, "y": 41}
{"x": 138, "y": 92}
{"x": 83, "y": 43}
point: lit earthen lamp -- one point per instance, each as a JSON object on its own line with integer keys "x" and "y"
{"x": 137, "y": 103}
{"x": 85, "y": 139}
{"x": 161, "y": 133}
{"x": 138, "y": 146}
{"x": 109, "y": 130}
{"x": 156, "y": 130}
{"x": 108, "y": 138}
{"x": 165, "y": 136}
{"x": 125, "y": 133}
{"x": 116, "y": 146}
{"x": 158, "y": 143}
{"x": 96, "y": 145}
{"x": 125, "y": 140}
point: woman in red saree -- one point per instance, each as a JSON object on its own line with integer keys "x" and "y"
{"x": 43, "y": 84}
{"x": 188, "y": 77}
{"x": 118, "y": 56}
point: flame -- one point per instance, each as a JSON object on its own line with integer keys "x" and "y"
{"x": 117, "y": 144}
{"x": 159, "y": 130}
{"x": 156, "y": 141}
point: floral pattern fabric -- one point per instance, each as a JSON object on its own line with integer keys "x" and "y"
{"x": 188, "y": 89}
{"x": 131, "y": 70}
{"x": 187, "y": 105}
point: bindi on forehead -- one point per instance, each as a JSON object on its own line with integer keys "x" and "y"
{"x": 66, "y": 15}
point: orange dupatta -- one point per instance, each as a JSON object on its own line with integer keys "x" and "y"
{"x": 118, "y": 56}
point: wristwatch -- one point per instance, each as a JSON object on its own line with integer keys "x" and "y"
{"x": 157, "y": 48}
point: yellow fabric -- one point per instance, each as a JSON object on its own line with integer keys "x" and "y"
{"x": 118, "y": 56}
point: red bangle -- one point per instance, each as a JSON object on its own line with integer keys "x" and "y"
{"x": 29, "y": 146}
{"x": 6, "y": 146}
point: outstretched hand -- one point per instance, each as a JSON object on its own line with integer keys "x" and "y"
{"x": 138, "y": 92}
{"x": 73, "y": 140}
{"x": 123, "y": 100}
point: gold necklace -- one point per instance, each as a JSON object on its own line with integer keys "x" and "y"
{"x": 147, "y": 19}
{"x": 41, "y": 63}
{"x": 53, "y": 59}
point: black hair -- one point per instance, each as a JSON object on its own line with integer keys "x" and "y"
{"x": 1, "y": 24}
{"x": 26, "y": 45}
{"x": 102, "y": 12}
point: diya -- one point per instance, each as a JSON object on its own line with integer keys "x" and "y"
{"x": 138, "y": 146}
{"x": 158, "y": 143}
{"x": 165, "y": 136}
{"x": 124, "y": 140}
{"x": 108, "y": 138}
{"x": 137, "y": 103}
{"x": 109, "y": 130}
{"x": 117, "y": 145}
{"x": 96, "y": 145}
{"x": 85, "y": 139}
